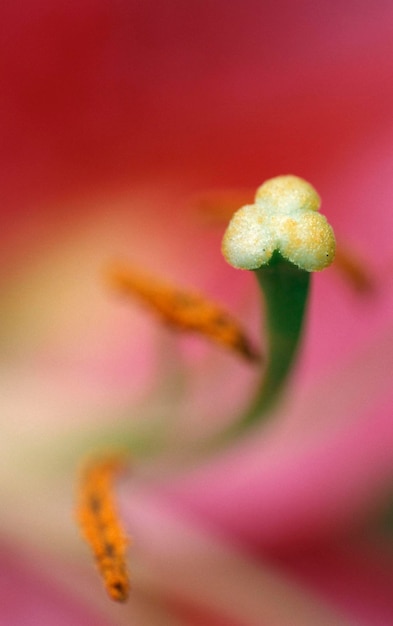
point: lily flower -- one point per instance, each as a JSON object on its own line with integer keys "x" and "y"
{"x": 117, "y": 119}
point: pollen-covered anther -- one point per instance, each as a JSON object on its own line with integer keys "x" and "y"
{"x": 183, "y": 310}
{"x": 284, "y": 218}
{"x": 355, "y": 270}
{"x": 100, "y": 525}
{"x": 217, "y": 206}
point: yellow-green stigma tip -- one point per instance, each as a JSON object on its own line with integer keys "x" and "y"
{"x": 284, "y": 218}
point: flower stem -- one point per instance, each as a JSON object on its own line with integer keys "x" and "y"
{"x": 284, "y": 289}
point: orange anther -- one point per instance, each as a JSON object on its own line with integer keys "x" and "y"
{"x": 183, "y": 310}
{"x": 100, "y": 526}
{"x": 354, "y": 270}
{"x": 218, "y": 205}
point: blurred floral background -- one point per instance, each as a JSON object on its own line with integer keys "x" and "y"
{"x": 116, "y": 119}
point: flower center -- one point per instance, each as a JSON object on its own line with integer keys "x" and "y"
{"x": 283, "y": 238}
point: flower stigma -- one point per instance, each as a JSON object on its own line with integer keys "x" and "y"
{"x": 284, "y": 218}
{"x": 282, "y": 237}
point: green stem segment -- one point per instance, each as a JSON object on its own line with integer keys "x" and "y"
{"x": 285, "y": 290}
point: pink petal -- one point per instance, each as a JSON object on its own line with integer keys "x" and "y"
{"x": 319, "y": 466}
{"x": 176, "y": 559}
{"x": 29, "y": 597}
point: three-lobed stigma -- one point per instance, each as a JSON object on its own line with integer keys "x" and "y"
{"x": 284, "y": 218}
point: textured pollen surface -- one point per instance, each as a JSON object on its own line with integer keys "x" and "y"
{"x": 284, "y": 218}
